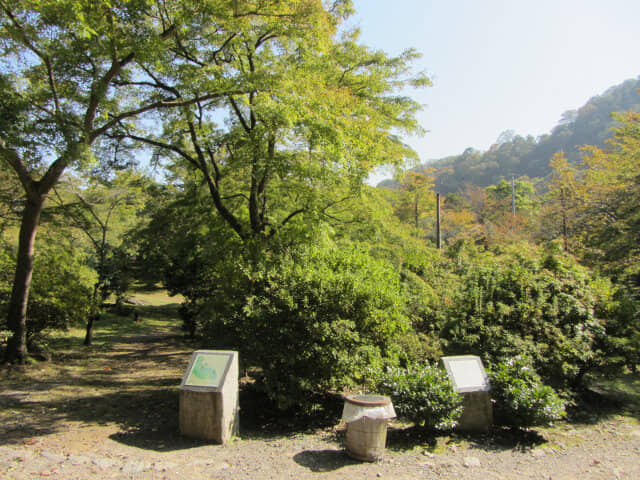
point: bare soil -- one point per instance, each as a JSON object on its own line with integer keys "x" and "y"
{"x": 110, "y": 411}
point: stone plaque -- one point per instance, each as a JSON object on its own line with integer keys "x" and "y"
{"x": 468, "y": 376}
{"x": 209, "y": 396}
{"x": 467, "y": 373}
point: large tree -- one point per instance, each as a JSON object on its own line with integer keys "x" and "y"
{"x": 307, "y": 114}
{"x": 71, "y": 70}
{"x": 610, "y": 226}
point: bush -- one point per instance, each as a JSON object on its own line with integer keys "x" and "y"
{"x": 60, "y": 292}
{"x": 525, "y": 302}
{"x": 521, "y": 399}
{"x": 422, "y": 394}
{"x": 313, "y": 319}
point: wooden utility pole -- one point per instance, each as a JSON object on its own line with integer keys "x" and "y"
{"x": 513, "y": 196}
{"x": 438, "y": 235}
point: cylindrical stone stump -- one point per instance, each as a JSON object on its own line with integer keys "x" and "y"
{"x": 366, "y": 439}
{"x": 366, "y": 417}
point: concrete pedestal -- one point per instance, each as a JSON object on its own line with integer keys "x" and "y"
{"x": 469, "y": 378}
{"x": 203, "y": 416}
{"x": 211, "y": 412}
{"x": 477, "y": 413}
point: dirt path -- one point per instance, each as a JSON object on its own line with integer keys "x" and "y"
{"x": 111, "y": 412}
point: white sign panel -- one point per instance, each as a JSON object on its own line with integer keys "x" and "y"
{"x": 467, "y": 373}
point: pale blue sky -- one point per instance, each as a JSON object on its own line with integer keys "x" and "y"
{"x": 499, "y": 64}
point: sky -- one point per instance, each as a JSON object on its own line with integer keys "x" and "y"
{"x": 503, "y": 64}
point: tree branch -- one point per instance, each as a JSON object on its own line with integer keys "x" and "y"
{"x": 166, "y": 146}
{"x": 293, "y": 214}
{"x": 239, "y": 115}
{"x": 98, "y": 90}
{"x": 161, "y": 104}
{"x": 15, "y": 162}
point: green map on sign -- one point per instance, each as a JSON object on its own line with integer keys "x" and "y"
{"x": 207, "y": 369}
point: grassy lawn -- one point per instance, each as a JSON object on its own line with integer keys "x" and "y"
{"x": 158, "y": 315}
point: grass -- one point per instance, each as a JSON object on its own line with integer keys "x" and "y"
{"x": 157, "y": 298}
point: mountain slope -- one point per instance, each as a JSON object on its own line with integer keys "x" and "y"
{"x": 517, "y": 156}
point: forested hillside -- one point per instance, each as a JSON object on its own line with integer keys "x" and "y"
{"x": 518, "y": 156}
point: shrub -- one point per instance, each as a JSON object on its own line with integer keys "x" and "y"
{"x": 523, "y": 302}
{"x": 60, "y": 289}
{"x": 313, "y": 319}
{"x": 423, "y": 394}
{"x": 521, "y": 399}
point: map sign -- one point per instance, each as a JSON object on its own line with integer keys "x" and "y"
{"x": 207, "y": 368}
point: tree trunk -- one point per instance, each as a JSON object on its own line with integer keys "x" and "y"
{"x": 95, "y": 308}
{"x": 89, "y": 335}
{"x": 17, "y": 316}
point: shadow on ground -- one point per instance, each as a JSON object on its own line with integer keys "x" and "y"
{"x": 497, "y": 439}
{"x": 261, "y": 419}
{"x": 322, "y": 461}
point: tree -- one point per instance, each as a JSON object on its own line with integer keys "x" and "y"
{"x": 104, "y": 210}
{"x": 564, "y": 196}
{"x": 417, "y": 199}
{"x": 308, "y": 115}
{"x": 611, "y": 183}
{"x": 72, "y": 70}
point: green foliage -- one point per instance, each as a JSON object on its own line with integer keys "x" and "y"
{"x": 306, "y": 114}
{"x": 313, "y": 319}
{"x": 423, "y": 394}
{"x": 523, "y": 194}
{"x": 621, "y": 344}
{"x": 527, "y": 302}
{"x": 521, "y": 399}
{"x": 60, "y": 291}
{"x": 610, "y": 225}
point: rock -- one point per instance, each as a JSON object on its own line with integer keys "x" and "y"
{"x": 471, "y": 462}
{"x": 103, "y": 463}
{"x": 133, "y": 467}
{"x": 538, "y": 453}
{"x": 54, "y": 457}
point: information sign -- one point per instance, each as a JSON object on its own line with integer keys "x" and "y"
{"x": 207, "y": 370}
{"x": 467, "y": 373}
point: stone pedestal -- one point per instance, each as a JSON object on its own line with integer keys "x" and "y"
{"x": 469, "y": 378}
{"x": 477, "y": 413}
{"x": 209, "y": 403}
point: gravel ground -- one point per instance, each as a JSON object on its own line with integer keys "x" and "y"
{"x": 112, "y": 413}
{"x": 608, "y": 450}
